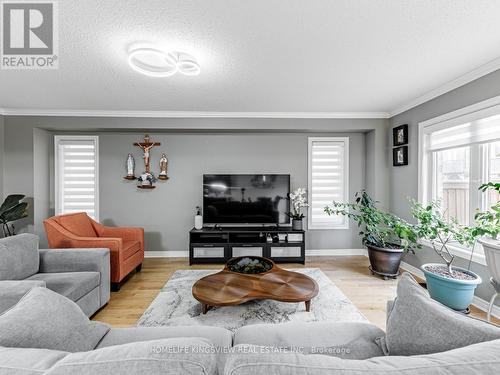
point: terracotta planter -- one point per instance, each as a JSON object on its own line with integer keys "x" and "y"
{"x": 384, "y": 261}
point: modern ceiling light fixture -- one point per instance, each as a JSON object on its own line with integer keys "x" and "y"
{"x": 186, "y": 64}
{"x": 152, "y": 62}
{"x": 157, "y": 63}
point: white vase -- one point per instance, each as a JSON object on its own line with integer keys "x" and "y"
{"x": 198, "y": 222}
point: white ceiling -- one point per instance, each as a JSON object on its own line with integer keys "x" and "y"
{"x": 317, "y": 56}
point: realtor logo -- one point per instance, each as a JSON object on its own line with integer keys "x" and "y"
{"x": 29, "y": 35}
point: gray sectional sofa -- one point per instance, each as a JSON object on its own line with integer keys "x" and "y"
{"x": 423, "y": 337}
{"x": 45, "y": 333}
{"x": 82, "y": 275}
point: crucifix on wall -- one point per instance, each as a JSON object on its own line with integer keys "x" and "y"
{"x": 146, "y": 146}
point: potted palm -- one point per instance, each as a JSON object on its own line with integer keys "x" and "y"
{"x": 386, "y": 236}
{"x": 451, "y": 285}
{"x": 12, "y": 209}
{"x": 299, "y": 201}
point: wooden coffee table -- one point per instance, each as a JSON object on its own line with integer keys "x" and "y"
{"x": 228, "y": 288}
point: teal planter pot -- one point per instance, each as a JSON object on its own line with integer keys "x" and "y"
{"x": 456, "y": 294}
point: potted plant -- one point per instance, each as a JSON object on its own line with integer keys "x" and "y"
{"x": 299, "y": 201}
{"x": 11, "y": 210}
{"x": 386, "y": 236}
{"x": 451, "y": 285}
{"x": 488, "y": 223}
{"x": 147, "y": 179}
{"x": 488, "y": 226}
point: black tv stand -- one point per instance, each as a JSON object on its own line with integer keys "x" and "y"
{"x": 219, "y": 244}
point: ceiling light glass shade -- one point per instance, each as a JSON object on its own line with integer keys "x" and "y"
{"x": 152, "y": 62}
{"x": 186, "y": 64}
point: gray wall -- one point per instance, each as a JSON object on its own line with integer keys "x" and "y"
{"x": 194, "y": 146}
{"x": 167, "y": 212}
{"x": 43, "y": 177}
{"x": 404, "y": 180}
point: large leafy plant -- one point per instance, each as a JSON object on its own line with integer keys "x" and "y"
{"x": 377, "y": 227}
{"x": 11, "y": 210}
{"x": 439, "y": 231}
{"x": 488, "y": 223}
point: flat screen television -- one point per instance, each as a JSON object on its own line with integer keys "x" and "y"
{"x": 246, "y": 199}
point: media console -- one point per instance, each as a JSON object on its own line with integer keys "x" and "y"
{"x": 218, "y": 245}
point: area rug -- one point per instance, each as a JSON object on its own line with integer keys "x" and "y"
{"x": 175, "y": 305}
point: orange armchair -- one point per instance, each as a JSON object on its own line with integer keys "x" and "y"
{"x": 78, "y": 230}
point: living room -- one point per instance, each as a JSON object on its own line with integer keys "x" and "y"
{"x": 175, "y": 175}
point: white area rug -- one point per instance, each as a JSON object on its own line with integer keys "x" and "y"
{"x": 175, "y": 305}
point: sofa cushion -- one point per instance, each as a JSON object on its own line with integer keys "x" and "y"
{"x": 417, "y": 324}
{"x": 187, "y": 356}
{"x": 73, "y": 285}
{"x": 354, "y": 340}
{"x": 78, "y": 224}
{"x": 130, "y": 248}
{"x": 483, "y": 358}
{"x": 15, "y": 361}
{"x": 19, "y": 257}
{"x": 45, "y": 319}
{"x": 219, "y": 337}
{"x": 12, "y": 291}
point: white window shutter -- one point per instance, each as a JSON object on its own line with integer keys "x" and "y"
{"x": 327, "y": 180}
{"x": 77, "y": 175}
{"x": 478, "y": 131}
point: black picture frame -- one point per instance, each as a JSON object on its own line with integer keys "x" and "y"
{"x": 400, "y": 135}
{"x": 400, "y": 156}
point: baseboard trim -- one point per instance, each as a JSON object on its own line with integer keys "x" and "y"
{"x": 335, "y": 252}
{"x": 480, "y": 303}
{"x": 412, "y": 269}
{"x": 312, "y": 252}
{"x": 483, "y": 305}
{"x": 166, "y": 254}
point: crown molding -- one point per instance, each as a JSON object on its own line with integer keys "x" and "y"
{"x": 190, "y": 114}
{"x": 449, "y": 86}
{"x": 438, "y": 91}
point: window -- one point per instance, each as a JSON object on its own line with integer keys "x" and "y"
{"x": 328, "y": 159}
{"x": 493, "y": 170}
{"x": 458, "y": 152}
{"x": 452, "y": 182}
{"x": 76, "y": 175}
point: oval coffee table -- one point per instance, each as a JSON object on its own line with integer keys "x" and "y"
{"x": 228, "y": 288}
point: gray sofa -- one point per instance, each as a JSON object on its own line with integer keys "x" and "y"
{"x": 82, "y": 275}
{"x": 416, "y": 326}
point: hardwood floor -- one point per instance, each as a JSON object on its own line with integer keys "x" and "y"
{"x": 350, "y": 273}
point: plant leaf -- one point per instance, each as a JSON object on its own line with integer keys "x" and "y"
{"x": 11, "y": 201}
{"x": 15, "y": 213}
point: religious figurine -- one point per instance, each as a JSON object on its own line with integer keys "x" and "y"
{"x": 130, "y": 167}
{"x": 146, "y": 146}
{"x": 163, "y": 167}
